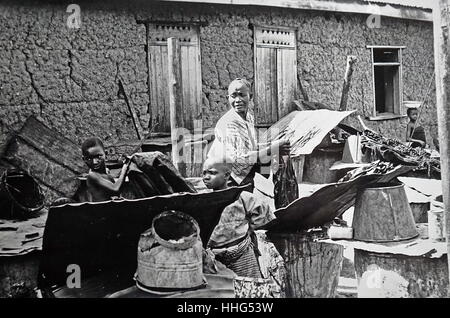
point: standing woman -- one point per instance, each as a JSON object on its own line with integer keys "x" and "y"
{"x": 235, "y": 136}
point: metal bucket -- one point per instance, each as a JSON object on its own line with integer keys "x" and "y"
{"x": 20, "y": 195}
{"x": 312, "y": 268}
{"x": 436, "y": 222}
{"x": 419, "y": 211}
{"x": 170, "y": 254}
{"x": 382, "y": 214}
{"x": 317, "y": 165}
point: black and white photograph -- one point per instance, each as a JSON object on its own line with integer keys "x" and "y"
{"x": 247, "y": 151}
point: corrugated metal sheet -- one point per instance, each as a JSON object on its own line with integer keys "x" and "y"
{"x": 422, "y": 4}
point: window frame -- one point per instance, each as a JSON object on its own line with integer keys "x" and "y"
{"x": 256, "y": 44}
{"x": 183, "y": 31}
{"x": 401, "y": 109}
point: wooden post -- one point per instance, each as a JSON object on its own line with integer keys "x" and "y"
{"x": 302, "y": 89}
{"x": 176, "y": 104}
{"x": 347, "y": 81}
{"x": 441, "y": 22}
{"x": 134, "y": 115}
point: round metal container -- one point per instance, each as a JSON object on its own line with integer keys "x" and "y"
{"x": 170, "y": 254}
{"x": 382, "y": 214}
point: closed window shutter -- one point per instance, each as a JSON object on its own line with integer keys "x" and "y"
{"x": 191, "y": 81}
{"x": 275, "y": 73}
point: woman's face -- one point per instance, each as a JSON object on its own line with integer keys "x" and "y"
{"x": 239, "y": 97}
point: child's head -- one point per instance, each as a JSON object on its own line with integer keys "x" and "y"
{"x": 94, "y": 154}
{"x": 239, "y": 95}
{"x": 216, "y": 172}
{"x": 412, "y": 114}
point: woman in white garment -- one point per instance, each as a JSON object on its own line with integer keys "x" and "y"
{"x": 235, "y": 136}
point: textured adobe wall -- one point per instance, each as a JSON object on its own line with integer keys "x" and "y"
{"x": 70, "y": 77}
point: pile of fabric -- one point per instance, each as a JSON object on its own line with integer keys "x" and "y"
{"x": 395, "y": 151}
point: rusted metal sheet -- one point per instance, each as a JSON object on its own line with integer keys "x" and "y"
{"x": 326, "y": 203}
{"x": 103, "y": 236}
{"x": 46, "y": 155}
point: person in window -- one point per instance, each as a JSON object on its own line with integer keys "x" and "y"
{"x": 235, "y": 136}
{"x": 415, "y": 134}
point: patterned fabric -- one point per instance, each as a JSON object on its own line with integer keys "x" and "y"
{"x": 240, "y": 258}
{"x": 235, "y": 138}
{"x": 240, "y": 218}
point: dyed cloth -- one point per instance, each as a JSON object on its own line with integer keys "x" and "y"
{"x": 240, "y": 258}
{"x": 240, "y": 218}
{"x": 235, "y": 138}
{"x": 150, "y": 174}
{"x": 419, "y": 134}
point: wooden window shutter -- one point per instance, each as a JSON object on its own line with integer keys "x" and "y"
{"x": 275, "y": 73}
{"x": 188, "y": 36}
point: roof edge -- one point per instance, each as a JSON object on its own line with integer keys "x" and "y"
{"x": 347, "y": 6}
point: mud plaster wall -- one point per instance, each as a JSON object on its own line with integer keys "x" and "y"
{"x": 70, "y": 77}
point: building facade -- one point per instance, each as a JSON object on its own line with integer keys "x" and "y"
{"x": 70, "y": 76}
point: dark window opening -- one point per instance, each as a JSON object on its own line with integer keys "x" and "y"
{"x": 387, "y": 81}
{"x": 386, "y": 89}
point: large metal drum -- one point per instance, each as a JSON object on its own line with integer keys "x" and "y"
{"x": 383, "y": 214}
{"x": 312, "y": 268}
{"x": 382, "y": 275}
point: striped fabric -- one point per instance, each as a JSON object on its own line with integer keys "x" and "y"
{"x": 240, "y": 258}
{"x": 235, "y": 138}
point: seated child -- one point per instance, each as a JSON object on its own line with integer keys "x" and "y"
{"x": 415, "y": 135}
{"x": 233, "y": 241}
{"x": 101, "y": 186}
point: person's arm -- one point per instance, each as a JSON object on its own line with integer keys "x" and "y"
{"x": 421, "y": 142}
{"x": 259, "y": 212}
{"x": 409, "y": 131}
{"x": 281, "y": 146}
{"x": 112, "y": 187}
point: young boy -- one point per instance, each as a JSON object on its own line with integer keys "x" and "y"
{"x": 233, "y": 240}
{"x": 415, "y": 135}
{"x": 101, "y": 186}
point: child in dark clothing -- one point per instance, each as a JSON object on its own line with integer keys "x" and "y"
{"x": 415, "y": 134}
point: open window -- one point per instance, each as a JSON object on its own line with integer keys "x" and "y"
{"x": 387, "y": 82}
{"x": 191, "y": 82}
{"x": 275, "y": 73}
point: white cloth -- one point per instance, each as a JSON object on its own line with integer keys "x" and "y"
{"x": 235, "y": 138}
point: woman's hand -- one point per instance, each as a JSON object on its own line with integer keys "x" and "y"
{"x": 282, "y": 146}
